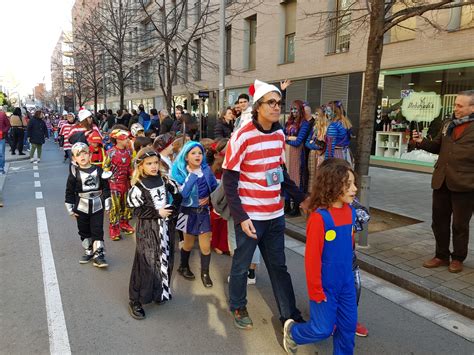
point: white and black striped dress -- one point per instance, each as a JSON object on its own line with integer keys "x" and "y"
{"x": 151, "y": 271}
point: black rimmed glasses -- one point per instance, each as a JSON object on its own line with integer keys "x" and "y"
{"x": 272, "y": 103}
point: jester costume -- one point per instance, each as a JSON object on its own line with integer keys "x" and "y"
{"x": 96, "y": 148}
{"x": 119, "y": 162}
{"x": 330, "y": 279}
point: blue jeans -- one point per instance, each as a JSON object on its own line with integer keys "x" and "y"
{"x": 271, "y": 242}
{"x": 2, "y": 155}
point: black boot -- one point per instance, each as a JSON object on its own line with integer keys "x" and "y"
{"x": 287, "y": 205}
{"x": 205, "y": 278}
{"x": 183, "y": 269}
{"x": 295, "y": 210}
{"x": 136, "y": 310}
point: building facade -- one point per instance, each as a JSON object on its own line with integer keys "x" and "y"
{"x": 62, "y": 73}
{"x": 324, "y": 56}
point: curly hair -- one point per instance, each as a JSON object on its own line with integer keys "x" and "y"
{"x": 330, "y": 182}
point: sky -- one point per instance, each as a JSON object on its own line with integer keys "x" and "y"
{"x": 30, "y": 31}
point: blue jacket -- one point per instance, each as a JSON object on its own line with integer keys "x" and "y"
{"x": 302, "y": 134}
{"x": 189, "y": 189}
{"x": 144, "y": 120}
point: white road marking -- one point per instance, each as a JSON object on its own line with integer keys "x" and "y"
{"x": 431, "y": 311}
{"x": 37, "y": 183}
{"x": 38, "y": 195}
{"x": 58, "y": 336}
{"x": 36, "y": 175}
{"x": 35, "y": 167}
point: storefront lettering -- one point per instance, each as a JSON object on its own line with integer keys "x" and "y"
{"x": 421, "y": 106}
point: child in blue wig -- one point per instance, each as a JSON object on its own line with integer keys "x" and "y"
{"x": 196, "y": 182}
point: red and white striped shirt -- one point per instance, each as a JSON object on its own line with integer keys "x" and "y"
{"x": 64, "y": 131}
{"x": 253, "y": 153}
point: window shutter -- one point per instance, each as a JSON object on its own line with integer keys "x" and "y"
{"x": 335, "y": 88}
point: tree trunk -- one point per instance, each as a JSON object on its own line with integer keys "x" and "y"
{"x": 369, "y": 93}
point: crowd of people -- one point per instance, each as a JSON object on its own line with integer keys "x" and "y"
{"x": 230, "y": 193}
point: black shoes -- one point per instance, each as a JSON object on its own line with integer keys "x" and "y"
{"x": 99, "y": 259}
{"x": 88, "y": 255}
{"x": 186, "y": 272}
{"x": 136, "y": 310}
{"x": 206, "y": 279}
{"x": 21, "y": 154}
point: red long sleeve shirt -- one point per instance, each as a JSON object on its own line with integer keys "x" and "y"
{"x": 314, "y": 248}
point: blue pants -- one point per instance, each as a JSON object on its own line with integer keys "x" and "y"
{"x": 271, "y": 241}
{"x": 2, "y": 155}
{"x": 340, "y": 310}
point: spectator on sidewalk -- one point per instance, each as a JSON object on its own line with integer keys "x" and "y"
{"x": 18, "y": 124}
{"x": 225, "y": 124}
{"x": 166, "y": 122}
{"x": 133, "y": 119}
{"x": 452, "y": 183}
{"x": 253, "y": 179}
{"x": 143, "y": 117}
{"x": 4, "y": 128}
{"x": 37, "y": 131}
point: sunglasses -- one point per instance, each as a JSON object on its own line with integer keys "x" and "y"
{"x": 272, "y": 103}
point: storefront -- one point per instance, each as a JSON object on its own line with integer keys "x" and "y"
{"x": 415, "y": 98}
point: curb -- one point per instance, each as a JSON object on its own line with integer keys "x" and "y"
{"x": 3, "y": 178}
{"x": 455, "y": 301}
{"x": 21, "y": 157}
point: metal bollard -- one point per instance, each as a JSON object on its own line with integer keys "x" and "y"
{"x": 364, "y": 201}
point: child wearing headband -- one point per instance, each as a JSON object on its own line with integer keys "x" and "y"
{"x": 150, "y": 197}
{"x": 196, "y": 182}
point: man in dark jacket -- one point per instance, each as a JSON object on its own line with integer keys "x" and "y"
{"x": 111, "y": 119}
{"x": 4, "y": 127}
{"x": 452, "y": 183}
{"x": 166, "y": 122}
{"x": 36, "y": 133}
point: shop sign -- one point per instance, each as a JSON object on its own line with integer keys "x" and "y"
{"x": 203, "y": 94}
{"x": 421, "y": 106}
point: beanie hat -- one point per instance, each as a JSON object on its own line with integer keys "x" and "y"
{"x": 262, "y": 88}
{"x": 83, "y": 114}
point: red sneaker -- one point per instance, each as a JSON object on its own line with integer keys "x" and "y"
{"x": 114, "y": 232}
{"x": 126, "y": 227}
{"x": 361, "y": 330}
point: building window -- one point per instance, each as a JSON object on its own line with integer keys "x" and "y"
{"x": 405, "y": 30}
{"x": 184, "y": 17}
{"x": 174, "y": 55}
{"x": 252, "y": 23}
{"x": 290, "y": 31}
{"x": 184, "y": 64}
{"x": 147, "y": 34}
{"x": 147, "y": 82}
{"x": 197, "y": 10}
{"x": 228, "y": 50}
{"x": 197, "y": 65}
{"x": 339, "y": 28}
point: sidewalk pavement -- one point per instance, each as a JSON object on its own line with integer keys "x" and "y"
{"x": 397, "y": 255}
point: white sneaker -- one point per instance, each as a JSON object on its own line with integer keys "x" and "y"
{"x": 32, "y": 160}
{"x": 38, "y": 160}
{"x": 251, "y": 281}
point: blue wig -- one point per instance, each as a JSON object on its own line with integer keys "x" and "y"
{"x": 178, "y": 170}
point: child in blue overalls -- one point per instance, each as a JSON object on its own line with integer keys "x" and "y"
{"x": 328, "y": 263}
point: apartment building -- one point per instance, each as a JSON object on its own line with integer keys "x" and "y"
{"x": 62, "y": 73}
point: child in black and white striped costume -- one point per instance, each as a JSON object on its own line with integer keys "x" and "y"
{"x": 150, "y": 197}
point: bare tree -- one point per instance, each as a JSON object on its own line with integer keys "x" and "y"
{"x": 88, "y": 63}
{"x": 112, "y": 24}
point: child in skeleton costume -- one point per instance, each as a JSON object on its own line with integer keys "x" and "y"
{"x": 87, "y": 195}
{"x": 151, "y": 196}
{"x": 119, "y": 162}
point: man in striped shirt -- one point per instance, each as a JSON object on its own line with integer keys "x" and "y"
{"x": 253, "y": 179}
